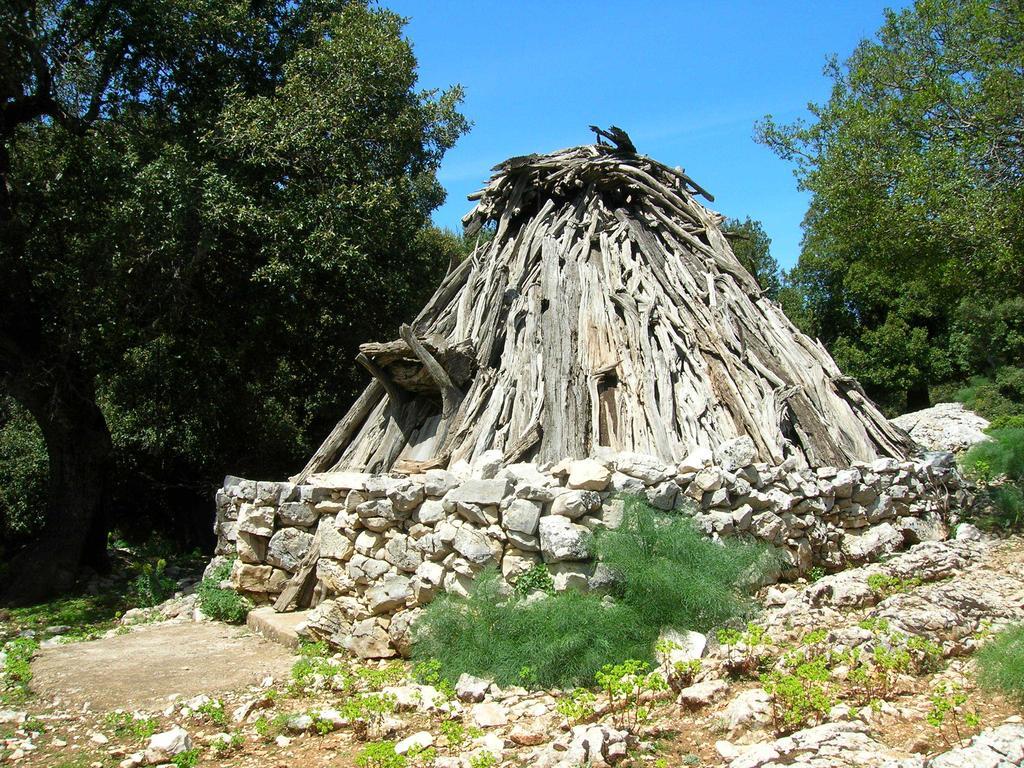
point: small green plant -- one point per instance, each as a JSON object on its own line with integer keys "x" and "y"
{"x": 367, "y": 712}
{"x": 312, "y": 668}
{"x": 428, "y": 672}
{"x": 222, "y": 604}
{"x": 685, "y": 672}
{"x": 623, "y": 685}
{"x": 577, "y": 706}
{"x": 728, "y": 636}
{"x": 151, "y": 587}
{"x": 874, "y": 624}
{"x": 125, "y": 725}
{"x": 321, "y": 725}
{"x": 817, "y": 572}
{"x": 483, "y": 759}
{"x": 949, "y": 710}
{"x": 213, "y": 711}
{"x": 801, "y": 696}
{"x": 380, "y": 754}
{"x": 373, "y": 679}
{"x": 224, "y": 746}
{"x": 187, "y": 759}
{"x": 884, "y": 585}
{"x": 537, "y": 579}
{"x": 1001, "y": 662}
{"x": 17, "y": 670}
{"x": 457, "y": 734}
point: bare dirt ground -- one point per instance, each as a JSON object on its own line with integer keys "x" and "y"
{"x": 144, "y": 669}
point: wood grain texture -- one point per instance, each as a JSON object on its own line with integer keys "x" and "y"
{"x": 607, "y": 311}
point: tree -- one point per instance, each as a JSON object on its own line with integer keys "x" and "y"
{"x": 915, "y": 169}
{"x": 752, "y": 247}
{"x": 206, "y": 206}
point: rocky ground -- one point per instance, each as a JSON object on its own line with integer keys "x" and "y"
{"x": 867, "y": 667}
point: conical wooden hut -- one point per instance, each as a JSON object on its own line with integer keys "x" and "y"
{"x": 607, "y": 312}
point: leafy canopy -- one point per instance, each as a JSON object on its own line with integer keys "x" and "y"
{"x": 207, "y": 207}
{"x": 914, "y": 165}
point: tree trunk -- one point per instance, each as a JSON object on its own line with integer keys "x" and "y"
{"x": 80, "y": 451}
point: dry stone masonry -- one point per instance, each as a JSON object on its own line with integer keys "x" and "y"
{"x": 380, "y": 546}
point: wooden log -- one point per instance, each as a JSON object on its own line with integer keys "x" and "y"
{"x": 298, "y": 591}
{"x": 342, "y": 432}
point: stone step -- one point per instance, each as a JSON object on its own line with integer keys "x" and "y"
{"x": 278, "y": 627}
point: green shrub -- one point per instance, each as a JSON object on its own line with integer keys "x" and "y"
{"x": 1000, "y": 459}
{"x": 666, "y": 575}
{"x": 380, "y": 754}
{"x": 672, "y": 575}
{"x": 1002, "y": 455}
{"x": 1001, "y": 662}
{"x": 151, "y": 587}
{"x": 222, "y": 604}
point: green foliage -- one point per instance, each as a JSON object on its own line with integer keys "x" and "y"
{"x": 752, "y": 247}
{"x": 314, "y": 667}
{"x": 23, "y": 473}
{"x": 623, "y": 685}
{"x": 1003, "y": 455}
{"x": 483, "y": 759}
{"x": 222, "y": 604}
{"x": 884, "y": 585}
{"x": 1001, "y": 662}
{"x": 999, "y": 465}
{"x": 373, "y": 679}
{"x": 667, "y": 575}
{"x": 949, "y": 710}
{"x": 213, "y": 711}
{"x": 380, "y": 754}
{"x": 367, "y": 711}
{"x": 17, "y": 670}
{"x": 125, "y": 725}
{"x": 151, "y": 587}
{"x": 186, "y": 759}
{"x": 168, "y": 212}
{"x": 671, "y": 575}
{"x": 537, "y": 579}
{"x": 458, "y": 734}
{"x": 577, "y": 706}
{"x": 911, "y": 268}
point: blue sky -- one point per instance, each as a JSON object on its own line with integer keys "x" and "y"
{"x": 687, "y": 80}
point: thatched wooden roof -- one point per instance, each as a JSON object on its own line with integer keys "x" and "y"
{"x": 608, "y": 309}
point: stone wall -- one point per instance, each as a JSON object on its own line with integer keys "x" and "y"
{"x": 389, "y": 544}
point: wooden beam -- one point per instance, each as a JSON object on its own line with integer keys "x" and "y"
{"x": 342, "y": 432}
{"x": 395, "y": 393}
{"x": 298, "y": 592}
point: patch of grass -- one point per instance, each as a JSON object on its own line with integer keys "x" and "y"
{"x": 125, "y": 725}
{"x": 222, "y": 604}
{"x": 17, "y": 670}
{"x": 667, "y": 574}
{"x": 187, "y": 759}
{"x": 884, "y": 585}
{"x": 1001, "y": 662}
{"x": 380, "y": 754}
